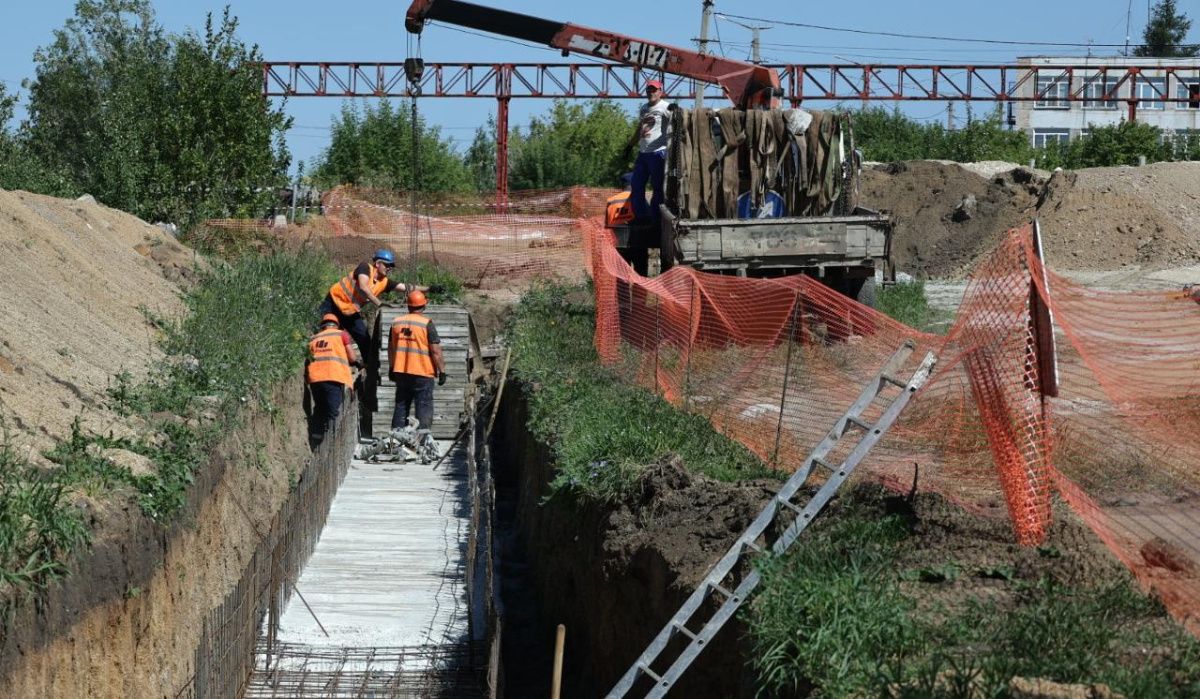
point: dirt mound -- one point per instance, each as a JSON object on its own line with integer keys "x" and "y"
{"x": 1107, "y": 218}
{"x": 946, "y": 216}
{"x": 76, "y": 277}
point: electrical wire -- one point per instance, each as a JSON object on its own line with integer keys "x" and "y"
{"x": 924, "y": 37}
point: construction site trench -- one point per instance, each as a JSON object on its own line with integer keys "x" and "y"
{"x": 298, "y": 573}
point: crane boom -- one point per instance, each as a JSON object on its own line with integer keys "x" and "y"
{"x": 747, "y": 85}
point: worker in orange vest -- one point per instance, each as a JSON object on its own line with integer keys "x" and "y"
{"x": 414, "y": 360}
{"x": 366, "y": 284}
{"x": 331, "y": 355}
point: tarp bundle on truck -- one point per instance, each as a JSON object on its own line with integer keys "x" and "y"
{"x": 718, "y": 155}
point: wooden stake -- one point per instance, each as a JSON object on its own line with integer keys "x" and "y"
{"x": 499, "y": 393}
{"x": 559, "y": 640}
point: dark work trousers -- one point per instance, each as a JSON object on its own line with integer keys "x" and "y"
{"x": 327, "y": 405}
{"x": 411, "y": 388}
{"x": 353, "y": 324}
{"x": 649, "y": 168}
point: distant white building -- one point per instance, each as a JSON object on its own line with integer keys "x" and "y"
{"x": 1077, "y": 92}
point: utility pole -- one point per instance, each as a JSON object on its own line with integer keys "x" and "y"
{"x": 1128, "y": 25}
{"x": 950, "y": 116}
{"x": 755, "y": 32}
{"x": 705, "y": 17}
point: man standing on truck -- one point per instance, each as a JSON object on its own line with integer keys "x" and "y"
{"x": 652, "y": 133}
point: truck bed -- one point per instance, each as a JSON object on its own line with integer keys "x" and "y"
{"x": 855, "y": 243}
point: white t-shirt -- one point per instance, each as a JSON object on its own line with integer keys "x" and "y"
{"x": 655, "y": 123}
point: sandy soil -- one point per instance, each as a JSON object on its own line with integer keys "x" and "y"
{"x": 75, "y": 277}
{"x": 948, "y": 215}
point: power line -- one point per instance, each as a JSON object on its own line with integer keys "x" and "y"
{"x": 924, "y": 37}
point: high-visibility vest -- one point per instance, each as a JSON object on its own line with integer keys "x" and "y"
{"x": 328, "y": 358}
{"x": 349, "y": 298}
{"x": 618, "y": 209}
{"x": 408, "y": 346}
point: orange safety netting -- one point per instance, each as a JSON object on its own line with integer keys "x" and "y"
{"x": 773, "y": 363}
{"x": 534, "y": 234}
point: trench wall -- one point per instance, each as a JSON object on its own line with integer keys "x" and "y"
{"x": 146, "y": 611}
{"x": 612, "y": 603}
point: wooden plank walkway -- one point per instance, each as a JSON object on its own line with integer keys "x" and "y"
{"x": 453, "y": 326}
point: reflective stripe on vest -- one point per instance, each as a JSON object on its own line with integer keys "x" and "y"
{"x": 349, "y": 298}
{"x": 408, "y": 346}
{"x": 329, "y": 360}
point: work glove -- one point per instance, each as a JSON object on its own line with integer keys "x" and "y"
{"x": 437, "y": 289}
{"x": 442, "y": 379}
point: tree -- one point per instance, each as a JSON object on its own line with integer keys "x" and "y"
{"x": 1166, "y": 32}
{"x": 19, "y": 168}
{"x": 372, "y": 147}
{"x": 167, "y": 127}
{"x": 572, "y": 145}
{"x": 480, "y": 158}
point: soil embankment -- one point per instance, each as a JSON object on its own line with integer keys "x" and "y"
{"x": 127, "y": 620}
{"x": 948, "y": 215}
{"x": 79, "y": 281}
{"x": 83, "y": 284}
{"x": 614, "y": 573}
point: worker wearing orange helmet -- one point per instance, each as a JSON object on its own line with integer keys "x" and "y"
{"x": 414, "y": 361}
{"x": 330, "y": 356}
{"x": 652, "y": 134}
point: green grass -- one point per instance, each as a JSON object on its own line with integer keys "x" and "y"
{"x": 39, "y": 526}
{"x": 907, "y": 303}
{"x": 831, "y": 618}
{"x": 603, "y": 430}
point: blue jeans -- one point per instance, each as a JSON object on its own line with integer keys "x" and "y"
{"x": 355, "y": 325}
{"x": 327, "y": 405}
{"x": 410, "y": 389}
{"x": 649, "y": 167}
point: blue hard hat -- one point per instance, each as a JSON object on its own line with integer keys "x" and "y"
{"x": 386, "y": 256}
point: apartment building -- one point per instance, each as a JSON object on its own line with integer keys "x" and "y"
{"x": 1075, "y": 93}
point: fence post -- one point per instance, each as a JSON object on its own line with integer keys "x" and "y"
{"x": 693, "y": 321}
{"x": 787, "y": 373}
{"x": 657, "y": 341}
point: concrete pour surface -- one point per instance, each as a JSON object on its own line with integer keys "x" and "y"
{"x": 389, "y": 568}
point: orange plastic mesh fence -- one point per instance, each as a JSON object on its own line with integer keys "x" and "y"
{"x": 533, "y": 234}
{"x": 773, "y": 363}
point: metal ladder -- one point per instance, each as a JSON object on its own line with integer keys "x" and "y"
{"x": 715, "y": 585}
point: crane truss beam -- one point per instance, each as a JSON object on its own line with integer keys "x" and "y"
{"x": 1058, "y": 85}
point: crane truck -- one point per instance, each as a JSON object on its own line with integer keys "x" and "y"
{"x": 731, "y": 220}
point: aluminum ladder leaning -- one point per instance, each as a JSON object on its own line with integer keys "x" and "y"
{"x": 651, "y": 666}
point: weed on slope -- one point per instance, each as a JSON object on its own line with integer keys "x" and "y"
{"x": 604, "y": 431}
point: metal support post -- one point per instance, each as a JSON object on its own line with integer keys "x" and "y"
{"x": 502, "y": 150}
{"x": 787, "y": 373}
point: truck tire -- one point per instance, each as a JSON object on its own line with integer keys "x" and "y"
{"x": 861, "y": 290}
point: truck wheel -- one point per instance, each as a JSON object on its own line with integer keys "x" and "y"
{"x": 861, "y": 290}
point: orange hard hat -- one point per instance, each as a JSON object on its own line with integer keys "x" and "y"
{"x": 329, "y": 318}
{"x": 416, "y": 299}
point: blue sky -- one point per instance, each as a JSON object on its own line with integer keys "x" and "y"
{"x": 370, "y": 30}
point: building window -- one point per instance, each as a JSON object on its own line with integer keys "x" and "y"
{"x": 1189, "y": 92}
{"x": 1151, "y": 91}
{"x": 1052, "y": 92}
{"x": 1094, "y": 91}
{"x": 1044, "y": 137}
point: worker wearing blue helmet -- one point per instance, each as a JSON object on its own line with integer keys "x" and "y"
{"x": 364, "y": 285}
